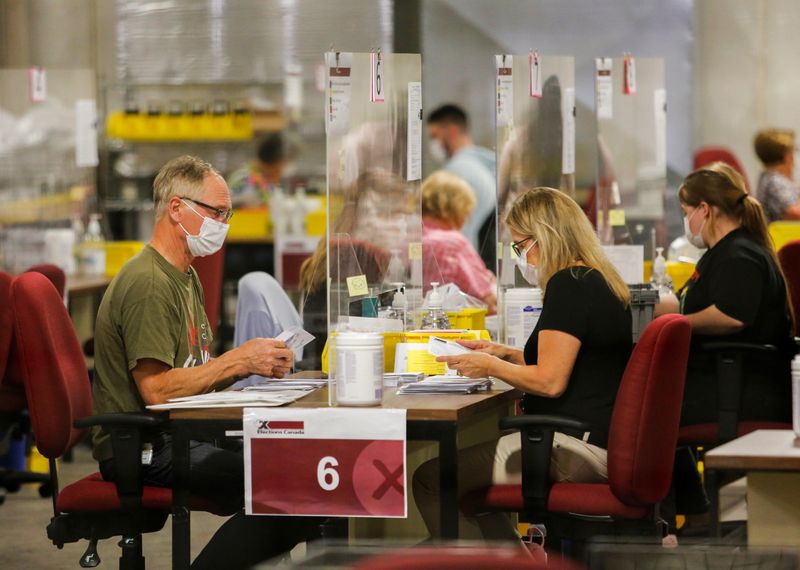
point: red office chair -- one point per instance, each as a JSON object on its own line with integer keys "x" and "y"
{"x": 14, "y": 420}
{"x": 60, "y": 403}
{"x": 54, "y": 273}
{"x": 210, "y": 271}
{"x": 708, "y": 154}
{"x": 789, "y": 258}
{"x": 641, "y": 449}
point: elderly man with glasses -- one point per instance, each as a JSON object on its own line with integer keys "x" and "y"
{"x": 152, "y": 342}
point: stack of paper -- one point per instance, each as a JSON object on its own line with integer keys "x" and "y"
{"x": 233, "y": 399}
{"x": 275, "y": 385}
{"x": 447, "y": 385}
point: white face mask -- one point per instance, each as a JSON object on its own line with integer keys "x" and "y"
{"x": 529, "y": 271}
{"x": 209, "y": 240}
{"x": 437, "y": 150}
{"x": 694, "y": 239}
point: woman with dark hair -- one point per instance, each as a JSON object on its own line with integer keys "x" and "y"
{"x": 737, "y": 293}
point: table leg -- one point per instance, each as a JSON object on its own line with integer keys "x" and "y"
{"x": 712, "y": 488}
{"x": 181, "y": 529}
{"x": 448, "y": 480}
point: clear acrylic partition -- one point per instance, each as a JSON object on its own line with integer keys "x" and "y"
{"x": 48, "y": 155}
{"x": 373, "y": 172}
{"x": 535, "y": 119}
{"x": 631, "y": 139}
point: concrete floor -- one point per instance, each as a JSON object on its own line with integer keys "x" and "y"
{"x": 24, "y": 543}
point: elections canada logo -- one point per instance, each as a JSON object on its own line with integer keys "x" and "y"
{"x": 280, "y": 427}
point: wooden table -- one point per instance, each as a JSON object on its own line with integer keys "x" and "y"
{"x": 86, "y": 284}
{"x": 429, "y": 417}
{"x": 771, "y": 459}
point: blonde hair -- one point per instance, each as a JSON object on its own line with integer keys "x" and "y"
{"x": 445, "y": 196}
{"x": 771, "y": 145}
{"x": 564, "y": 236}
{"x": 182, "y": 176}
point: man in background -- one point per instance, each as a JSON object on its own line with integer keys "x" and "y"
{"x": 451, "y": 143}
{"x": 252, "y": 184}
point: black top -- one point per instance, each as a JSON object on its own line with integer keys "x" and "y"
{"x": 741, "y": 279}
{"x": 579, "y": 302}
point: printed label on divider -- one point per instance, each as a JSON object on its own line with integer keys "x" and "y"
{"x": 325, "y": 462}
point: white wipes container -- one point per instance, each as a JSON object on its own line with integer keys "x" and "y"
{"x": 523, "y": 307}
{"x": 359, "y": 368}
{"x": 796, "y": 395}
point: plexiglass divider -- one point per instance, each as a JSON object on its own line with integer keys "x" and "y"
{"x": 535, "y": 120}
{"x": 630, "y": 105}
{"x": 374, "y": 137}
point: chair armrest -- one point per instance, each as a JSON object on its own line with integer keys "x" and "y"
{"x": 536, "y": 433}
{"x": 133, "y": 419}
{"x": 730, "y": 380}
{"x": 126, "y": 431}
{"x": 739, "y": 346}
{"x": 543, "y": 421}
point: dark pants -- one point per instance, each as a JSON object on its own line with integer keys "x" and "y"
{"x": 217, "y": 473}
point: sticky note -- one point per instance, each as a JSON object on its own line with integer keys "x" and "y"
{"x": 414, "y": 250}
{"x": 357, "y": 285}
{"x": 616, "y": 217}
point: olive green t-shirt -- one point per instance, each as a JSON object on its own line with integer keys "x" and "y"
{"x": 150, "y": 310}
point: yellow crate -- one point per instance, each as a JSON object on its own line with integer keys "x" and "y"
{"x": 250, "y": 224}
{"x": 471, "y": 318}
{"x": 162, "y": 128}
{"x": 390, "y": 342}
{"x": 118, "y": 253}
{"x": 317, "y": 223}
{"x": 678, "y": 271}
{"x": 784, "y": 232}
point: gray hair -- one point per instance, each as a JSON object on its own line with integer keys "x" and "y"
{"x": 182, "y": 176}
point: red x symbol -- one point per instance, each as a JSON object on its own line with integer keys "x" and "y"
{"x": 390, "y": 479}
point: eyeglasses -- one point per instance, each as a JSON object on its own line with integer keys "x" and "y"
{"x": 515, "y": 246}
{"x": 219, "y": 214}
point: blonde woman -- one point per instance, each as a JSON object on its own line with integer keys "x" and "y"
{"x": 447, "y": 202}
{"x": 571, "y": 364}
{"x": 777, "y": 191}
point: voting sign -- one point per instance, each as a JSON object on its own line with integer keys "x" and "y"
{"x": 325, "y": 462}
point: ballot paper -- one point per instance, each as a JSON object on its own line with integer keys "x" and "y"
{"x": 447, "y": 385}
{"x": 438, "y": 346}
{"x": 295, "y": 338}
{"x": 232, "y": 399}
{"x": 275, "y": 385}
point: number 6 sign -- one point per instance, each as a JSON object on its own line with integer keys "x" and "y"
{"x": 325, "y": 462}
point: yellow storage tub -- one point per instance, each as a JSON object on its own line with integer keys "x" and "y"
{"x": 251, "y": 223}
{"x": 784, "y": 232}
{"x": 118, "y": 253}
{"x": 471, "y": 318}
{"x": 390, "y": 342}
{"x": 678, "y": 271}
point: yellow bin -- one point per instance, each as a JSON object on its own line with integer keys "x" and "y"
{"x": 118, "y": 253}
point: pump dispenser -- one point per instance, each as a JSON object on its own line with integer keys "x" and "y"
{"x": 660, "y": 278}
{"x": 434, "y": 317}
{"x": 399, "y": 304}
{"x": 93, "y": 248}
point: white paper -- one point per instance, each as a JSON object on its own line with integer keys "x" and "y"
{"x": 628, "y": 261}
{"x": 568, "y": 131}
{"x": 535, "y": 72}
{"x": 232, "y": 399}
{"x": 414, "y": 150}
{"x": 604, "y": 90}
{"x": 377, "y": 78}
{"x": 340, "y": 83}
{"x": 86, "y": 133}
{"x": 293, "y": 87}
{"x": 660, "y": 114}
{"x": 630, "y": 76}
{"x": 295, "y": 338}
{"x": 37, "y": 84}
{"x": 505, "y": 91}
{"x": 443, "y": 347}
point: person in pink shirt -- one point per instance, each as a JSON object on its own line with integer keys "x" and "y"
{"x": 447, "y": 202}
